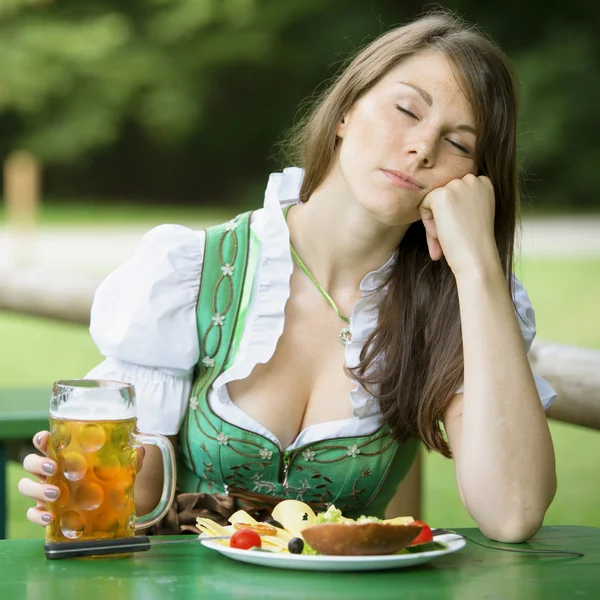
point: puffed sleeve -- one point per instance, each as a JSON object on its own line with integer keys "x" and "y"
{"x": 526, "y": 320}
{"x": 143, "y": 320}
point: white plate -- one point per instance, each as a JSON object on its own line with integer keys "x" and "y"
{"x": 283, "y": 560}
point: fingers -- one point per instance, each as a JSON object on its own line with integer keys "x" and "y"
{"x": 433, "y": 244}
{"x": 40, "y": 441}
{"x": 435, "y": 249}
{"x": 38, "y": 490}
{"x": 39, "y": 516}
{"x": 485, "y": 180}
{"x": 39, "y": 465}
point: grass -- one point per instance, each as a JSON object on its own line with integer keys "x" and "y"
{"x": 565, "y": 294}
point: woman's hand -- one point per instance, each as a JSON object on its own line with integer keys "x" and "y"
{"x": 42, "y": 492}
{"x": 459, "y": 220}
{"x": 41, "y": 466}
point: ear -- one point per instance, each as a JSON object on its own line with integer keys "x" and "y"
{"x": 341, "y": 128}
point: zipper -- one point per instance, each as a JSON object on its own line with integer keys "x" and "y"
{"x": 286, "y": 459}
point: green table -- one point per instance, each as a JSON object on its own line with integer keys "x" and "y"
{"x": 190, "y": 571}
{"x": 23, "y": 412}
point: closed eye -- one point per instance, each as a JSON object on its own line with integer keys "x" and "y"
{"x": 412, "y": 115}
{"x": 459, "y": 147}
{"x": 407, "y": 112}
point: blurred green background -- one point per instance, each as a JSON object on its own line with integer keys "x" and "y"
{"x": 173, "y": 110}
{"x": 162, "y": 101}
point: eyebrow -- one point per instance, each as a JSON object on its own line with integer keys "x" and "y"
{"x": 429, "y": 101}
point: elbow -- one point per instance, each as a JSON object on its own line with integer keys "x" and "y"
{"x": 517, "y": 525}
{"x": 520, "y": 523}
{"x": 513, "y": 531}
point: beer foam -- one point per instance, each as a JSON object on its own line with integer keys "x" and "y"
{"x": 91, "y": 404}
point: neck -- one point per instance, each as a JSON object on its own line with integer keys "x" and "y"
{"x": 338, "y": 239}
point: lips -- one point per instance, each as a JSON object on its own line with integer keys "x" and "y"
{"x": 402, "y": 180}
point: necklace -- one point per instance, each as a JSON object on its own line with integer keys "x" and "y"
{"x": 344, "y": 335}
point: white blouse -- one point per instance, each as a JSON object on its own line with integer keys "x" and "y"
{"x": 143, "y": 321}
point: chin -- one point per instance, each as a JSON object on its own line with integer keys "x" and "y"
{"x": 393, "y": 211}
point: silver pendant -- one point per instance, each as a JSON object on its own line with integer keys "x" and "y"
{"x": 345, "y": 335}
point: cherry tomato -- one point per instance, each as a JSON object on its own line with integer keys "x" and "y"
{"x": 244, "y": 539}
{"x": 425, "y": 535}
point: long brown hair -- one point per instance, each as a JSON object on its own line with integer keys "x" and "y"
{"x": 418, "y": 336}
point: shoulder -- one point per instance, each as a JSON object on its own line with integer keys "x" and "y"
{"x": 144, "y": 311}
{"x": 168, "y": 259}
{"x": 171, "y": 242}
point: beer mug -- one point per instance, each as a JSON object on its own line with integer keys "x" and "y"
{"x": 93, "y": 441}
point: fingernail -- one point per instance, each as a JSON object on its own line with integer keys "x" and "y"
{"x": 51, "y": 494}
{"x": 46, "y": 518}
{"x": 38, "y": 439}
{"x": 48, "y": 468}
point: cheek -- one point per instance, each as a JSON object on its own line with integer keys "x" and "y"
{"x": 356, "y": 153}
{"x": 455, "y": 167}
{"x": 369, "y": 129}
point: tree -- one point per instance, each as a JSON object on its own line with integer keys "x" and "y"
{"x": 75, "y": 72}
{"x": 185, "y": 99}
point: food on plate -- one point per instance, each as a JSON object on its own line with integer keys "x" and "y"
{"x": 261, "y": 528}
{"x": 425, "y": 536}
{"x": 294, "y": 516}
{"x": 360, "y": 539}
{"x": 272, "y": 538}
{"x": 296, "y": 545}
{"x": 244, "y": 539}
{"x": 272, "y": 521}
{"x": 294, "y": 528}
{"x": 210, "y": 527}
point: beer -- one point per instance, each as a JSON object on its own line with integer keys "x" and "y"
{"x": 96, "y": 468}
{"x": 93, "y": 440}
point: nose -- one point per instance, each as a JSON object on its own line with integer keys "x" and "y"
{"x": 423, "y": 149}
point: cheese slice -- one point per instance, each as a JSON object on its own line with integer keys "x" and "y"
{"x": 241, "y": 516}
{"x": 278, "y": 541}
{"x": 209, "y": 527}
{"x": 294, "y": 516}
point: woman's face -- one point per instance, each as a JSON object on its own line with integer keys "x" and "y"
{"x": 415, "y": 123}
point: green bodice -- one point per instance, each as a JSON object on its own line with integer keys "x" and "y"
{"x": 358, "y": 474}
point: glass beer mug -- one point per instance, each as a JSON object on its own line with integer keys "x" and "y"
{"x": 93, "y": 441}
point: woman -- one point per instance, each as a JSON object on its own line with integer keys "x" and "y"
{"x": 372, "y": 284}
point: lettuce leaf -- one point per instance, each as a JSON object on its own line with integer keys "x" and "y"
{"x": 331, "y": 515}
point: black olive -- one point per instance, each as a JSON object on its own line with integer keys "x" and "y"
{"x": 272, "y": 521}
{"x": 296, "y": 545}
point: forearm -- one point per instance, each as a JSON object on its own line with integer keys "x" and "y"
{"x": 505, "y": 463}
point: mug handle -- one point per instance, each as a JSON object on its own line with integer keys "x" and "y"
{"x": 168, "y": 491}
